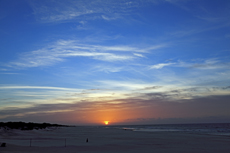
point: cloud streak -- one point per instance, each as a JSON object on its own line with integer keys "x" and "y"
{"x": 87, "y": 9}
{"x": 64, "y": 49}
{"x": 33, "y": 87}
{"x": 148, "y": 109}
{"x": 160, "y": 65}
{"x": 203, "y": 64}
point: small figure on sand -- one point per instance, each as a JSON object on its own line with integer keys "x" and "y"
{"x": 87, "y": 140}
{"x": 3, "y": 145}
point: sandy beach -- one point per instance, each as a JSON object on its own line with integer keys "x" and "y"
{"x": 101, "y": 139}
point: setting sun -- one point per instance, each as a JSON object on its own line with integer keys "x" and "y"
{"x": 106, "y": 122}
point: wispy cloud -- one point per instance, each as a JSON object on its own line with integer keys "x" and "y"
{"x": 58, "y": 11}
{"x": 205, "y": 64}
{"x": 3, "y": 69}
{"x": 208, "y": 64}
{"x": 203, "y": 106}
{"x": 109, "y": 18}
{"x": 188, "y": 31}
{"x": 34, "y": 87}
{"x": 63, "y": 49}
{"x": 160, "y": 65}
{"x": 140, "y": 55}
{"x": 124, "y": 85}
{"x": 212, "y": 64}
{"x": 107, "y": 68}
{"x": 89, "y": 10}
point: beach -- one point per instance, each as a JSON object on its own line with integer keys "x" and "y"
{"x": 112, "y": 140}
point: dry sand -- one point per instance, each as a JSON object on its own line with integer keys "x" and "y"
{"x": 111, "y": 140}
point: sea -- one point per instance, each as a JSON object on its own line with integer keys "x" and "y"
{"x": 204, "y": 128}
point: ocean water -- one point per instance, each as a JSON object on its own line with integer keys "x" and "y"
{"x": 207, "y": 128}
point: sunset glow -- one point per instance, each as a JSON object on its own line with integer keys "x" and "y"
{"x": 115, "y": 62}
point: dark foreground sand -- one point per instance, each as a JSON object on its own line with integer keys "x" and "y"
{"x": 126, "y": 141}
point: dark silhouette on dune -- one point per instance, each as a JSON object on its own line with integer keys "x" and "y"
{"x": 3, "y": 145}
{"x": 28, "y": 126}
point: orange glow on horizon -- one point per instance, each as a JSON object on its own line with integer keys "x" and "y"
{"x": 110, "y": 114}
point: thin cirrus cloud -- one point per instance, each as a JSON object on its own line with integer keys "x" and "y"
{"x": 60, "y": 11}
{"x": 90, "y": 10}
{"x": 160, "y": 65}
{"x": 34, "y": 87}
{"x": 44, "y": 94}
{"x": 212, "y": 64}
{"x": 34, "y": 94}
{"x": 208, "y": 64}
{"x": 128, "y": 95}
{"x": 107, "y": 69}
{"x": 157, "y": 102}
{"x": 205, "y": 64}
{"x": 140, "y": 55}
{"x": 61, "y": 50}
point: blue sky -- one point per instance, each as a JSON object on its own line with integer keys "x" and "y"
{"x": 126, "y": 61}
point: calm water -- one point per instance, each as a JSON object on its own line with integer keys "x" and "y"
{"x": 211, "y": 128}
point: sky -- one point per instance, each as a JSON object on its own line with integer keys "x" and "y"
{"x": 84, "y": 62}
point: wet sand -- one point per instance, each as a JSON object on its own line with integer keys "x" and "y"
{"x": 112, "y": 140}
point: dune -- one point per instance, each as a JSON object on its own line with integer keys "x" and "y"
{"x": 101, "y": 139}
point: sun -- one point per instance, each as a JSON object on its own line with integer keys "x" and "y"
{"x": 106, "y": 122}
